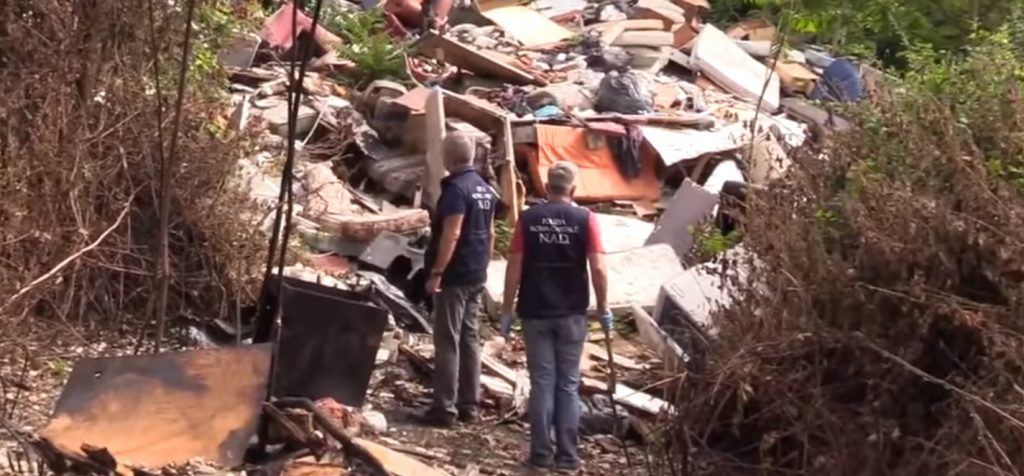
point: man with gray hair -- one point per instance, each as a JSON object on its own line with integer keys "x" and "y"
{"x": 461, "y": 240}
{"x": 547, "y": 265}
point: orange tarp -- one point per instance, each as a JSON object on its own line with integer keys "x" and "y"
{"x": 599, "y": 178}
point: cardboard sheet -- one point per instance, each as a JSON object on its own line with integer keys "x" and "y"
{"x": 717, "y": 56}
{"x": 527, "y": 26}
{"x": 599, "y": 178}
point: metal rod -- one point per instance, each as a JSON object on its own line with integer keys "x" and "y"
{"x": 612, "y": 382}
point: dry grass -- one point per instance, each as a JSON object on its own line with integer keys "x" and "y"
{"x": 78, "y": 157}
{"x": 882, "y": 331}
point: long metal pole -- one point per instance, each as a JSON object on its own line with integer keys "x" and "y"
{"x": 612, "y": 383}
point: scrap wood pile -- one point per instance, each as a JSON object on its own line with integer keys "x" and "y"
{"x": 664, "y": 115}
{"x": 879, "y": 331}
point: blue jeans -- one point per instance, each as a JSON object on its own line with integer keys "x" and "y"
{"x": 553, "y": 350}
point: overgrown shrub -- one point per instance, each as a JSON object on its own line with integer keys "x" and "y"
{"x": 881, "y": 329}
{"x": 79, "y": 156}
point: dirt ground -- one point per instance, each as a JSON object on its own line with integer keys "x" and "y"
{"x": 33, "y": 373}
{"x": 494, "y": 448}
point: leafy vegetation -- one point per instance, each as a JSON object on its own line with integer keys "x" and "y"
{"x": 883, "y": 29}
{"x": 375, "y": 54}
{"x": 878, "y": 329}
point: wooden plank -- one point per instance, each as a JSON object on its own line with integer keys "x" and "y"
{"x": 498, "y": 387}
{"x": 508, "y": 175}
{"x": 483, "y": 63}
{"x": 397, "y": 463}
{"x": 434, "y": 114}
{"x": 499, "y": 369}
{"x": 627, "y": 396}
{"x": 601, "y": 354}
{"x": 527, "y": 26}
{"x": 649, "y": 38}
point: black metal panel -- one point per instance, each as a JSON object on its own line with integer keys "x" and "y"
{"x": 329, "y": 342}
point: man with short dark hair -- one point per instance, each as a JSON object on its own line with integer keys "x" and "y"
{"x": 547, "y": 265}
{"x": 461, "y": 240}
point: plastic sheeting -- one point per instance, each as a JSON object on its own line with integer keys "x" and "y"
{"x": 599, "y": 179}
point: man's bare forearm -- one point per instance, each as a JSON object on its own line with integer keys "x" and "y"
{"x": 449, "y": 238}
{"x": 513, "y": 277}
{"x": 599, "y": 279}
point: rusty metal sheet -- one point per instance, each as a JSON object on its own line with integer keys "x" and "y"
{"x": 329, "y": 341}
{"x": 161, "y": 409}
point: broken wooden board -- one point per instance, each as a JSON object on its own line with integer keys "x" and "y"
{"x": 508, "y": 176}
{"x": 795, "y": 77}
{"x": 436, "y": 131}
{"x": 649, "y": 38}
{"x": 627, "y": 396}
{"x": 157, "y": 410}
{"x": 397, "y": 463}
{"x": 663, "y": 10}
{"x": 527, "y": 26}
{"x": 598, "y": 352}
{"x": 483, "y": 63}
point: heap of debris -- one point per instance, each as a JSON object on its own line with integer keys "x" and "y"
{"x": 668, "y": 118}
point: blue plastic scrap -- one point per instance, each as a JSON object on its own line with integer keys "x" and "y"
{"x": 840, "y": 83}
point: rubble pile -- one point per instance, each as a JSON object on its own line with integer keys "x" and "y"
{"x": 670, "y": 120}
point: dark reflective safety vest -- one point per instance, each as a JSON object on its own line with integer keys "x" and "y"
{"x": 555, "y": 282}
{"x": 468, "y": 265}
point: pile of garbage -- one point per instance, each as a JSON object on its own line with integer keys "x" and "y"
{"x": 670, "y": 120}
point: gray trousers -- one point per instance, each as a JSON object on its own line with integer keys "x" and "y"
{"x": 553, "y": 351}
{"x": 456, "y": 348}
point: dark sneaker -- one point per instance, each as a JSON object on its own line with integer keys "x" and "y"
{"x": 567, "y": 469}
{"x": 469, "y": 415}
{"x": 537, "y": 466}
{"x": 436, "y": 419}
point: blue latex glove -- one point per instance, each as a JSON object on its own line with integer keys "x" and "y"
{"x": 507, "y": 318}
{"x": 606, "y": 321}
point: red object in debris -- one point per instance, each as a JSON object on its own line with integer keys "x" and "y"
{"x": 278, "y": 33}
{"x": 330, "y": 263}
{"x": 395, "y": 28}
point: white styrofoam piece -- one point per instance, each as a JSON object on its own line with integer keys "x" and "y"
{"x": 725, "y": 171}
{"x": 730, "y": 67}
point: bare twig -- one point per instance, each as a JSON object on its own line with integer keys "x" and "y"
{"x": 70, "y": 259}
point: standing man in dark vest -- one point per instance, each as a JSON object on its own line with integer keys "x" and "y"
{"x": 461, "y": 240}
{"x": 547, "y": 265}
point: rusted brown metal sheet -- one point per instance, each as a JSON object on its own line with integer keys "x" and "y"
{"x": 156, "y": 410}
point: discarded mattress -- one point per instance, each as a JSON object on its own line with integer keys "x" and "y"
{"x": 730, "y": 67}
{"x": 636, "y": 275}
{"x": 599, "y": 178}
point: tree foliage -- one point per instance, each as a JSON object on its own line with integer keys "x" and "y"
{"x": 879, "y": 28}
